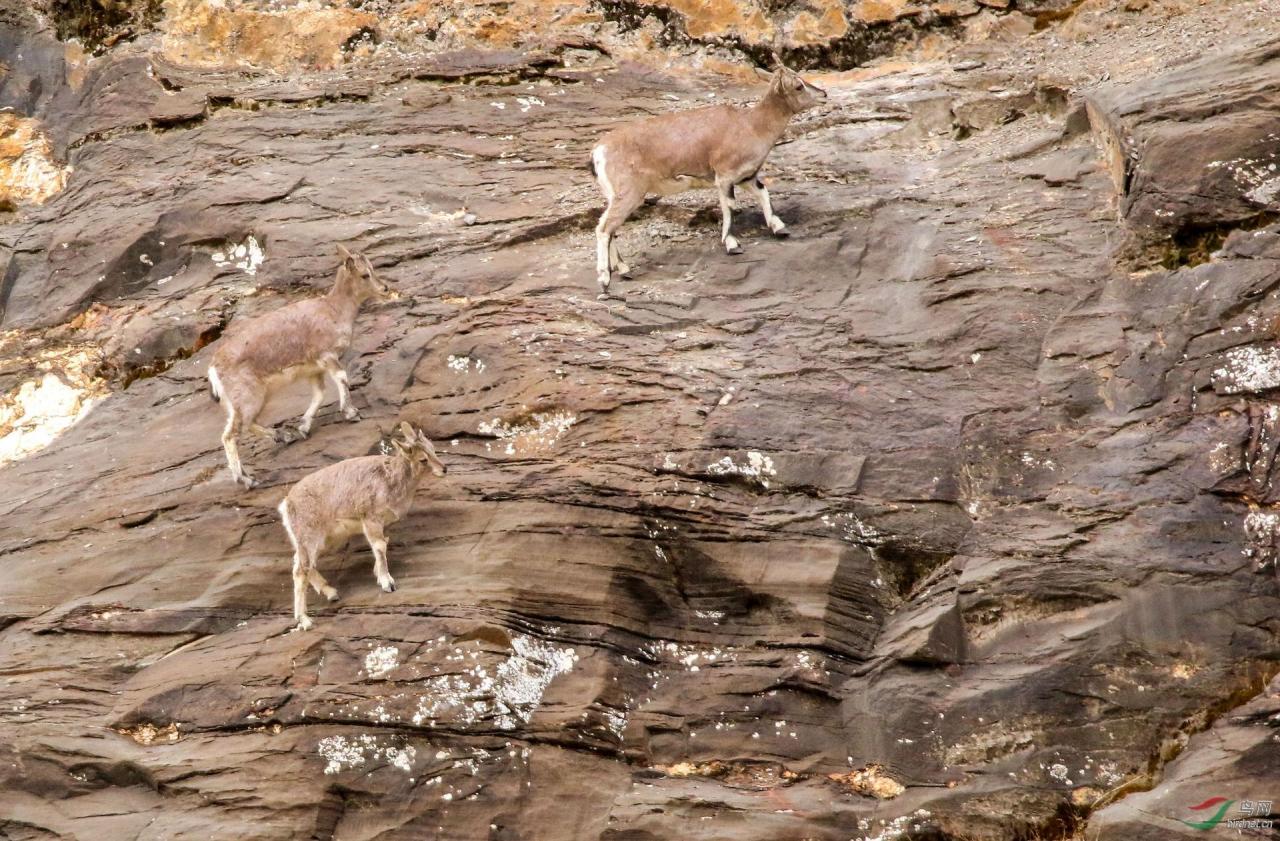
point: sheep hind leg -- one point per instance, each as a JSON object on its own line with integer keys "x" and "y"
{"x": 321, "y": 586}
{"x": 302, "y": 567}
{"x": 251, "y": 406}
{"x": 724, "y": 189}
{"x": 317, "y": 397}
{"x": 619, "y": 209}
{"x": 230, "y": 434}
{"x": 615, "y": 260}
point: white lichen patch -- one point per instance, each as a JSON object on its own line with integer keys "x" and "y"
{"x": 509, "y": 694}
{"x": 616, "y": 721}
{"x": 401, "y": 758}
{"x": 28, "y": 172}
{"x": 344, "y": 753}
{"x": 692, "y": 657}
{"x": 381, "y": 660}
{"x": 1260, "y": 530}
{"x": 538, "y": 433}
{"x": 1108, "y": 774}
{"x": 1033, "y": 461}
{"x": 59, "y": 396}
{"x": 888, "y": 830}
{"x": 1258, "y": 178}
{"x": 1223, "y": 458}
{"x": 463, "y": 364}
{"x": 246, "y": 256}
{"x": 1248, "y": 369}
{"x": 853, "y": 529}
{"x": 758, "y": 468}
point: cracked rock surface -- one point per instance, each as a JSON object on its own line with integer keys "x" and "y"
{"x": 949, "y": 517}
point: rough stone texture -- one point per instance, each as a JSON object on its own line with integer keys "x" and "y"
{"x": 933, "y": 521}
{"x": 1195, "y": 153}
{"x": 1234, "y": 760}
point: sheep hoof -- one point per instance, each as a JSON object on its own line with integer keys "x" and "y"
{"x": 304, "y": 624}
{"x": 734, "y": 249}
{"x": 388, "y": 586}
{"x": 302, "y": 432}
{"x": 624, "y": 271}
{"x": 331, "y": 594}
{"x": 248, "y": 481}
{"x": 352, "y": 414}
{"x": 780, "y": 232}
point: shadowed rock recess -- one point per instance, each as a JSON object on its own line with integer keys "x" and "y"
{"x": 952, "y": 517}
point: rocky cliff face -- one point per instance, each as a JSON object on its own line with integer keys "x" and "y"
{"x": 952, "y": 517}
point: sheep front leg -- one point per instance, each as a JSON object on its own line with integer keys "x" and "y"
{"x": 755, "y": 186}
{"x": 338, "y": 374}
{"x": 378, "y": 543}
{"x": 724, "y": 187}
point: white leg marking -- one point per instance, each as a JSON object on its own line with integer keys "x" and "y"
{"x": 726, "y": 215}
{"x": 232, "y": 450}
{"x": 215, "y": 382}
{"x": 300, "y": 591}
{"x": 604, "y": 242}
{"x": 338, "y": 374}
{"x": 761, "y": 195}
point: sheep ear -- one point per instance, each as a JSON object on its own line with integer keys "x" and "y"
{"x": 345, "y": 254}
{"x": 766, "y": 75}
{"x": 777, "y": 60}
{"x": 407, "y": 430}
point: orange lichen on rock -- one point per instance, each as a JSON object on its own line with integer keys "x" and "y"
{"x": 882, "y": 11}
{"x": 28, "y": 172}
{"x": 220, "y": 33}
{"x": 823, "y": 24}
{"x": 149, "y": 734}
{"x": 493, "y": 24}
{"x": 715, "y": 18}
{"x": 871, "y": 780}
